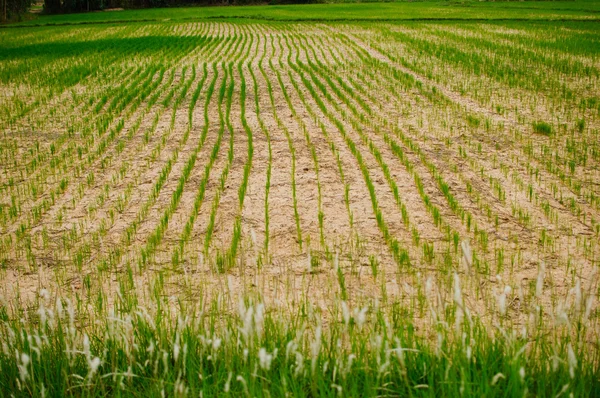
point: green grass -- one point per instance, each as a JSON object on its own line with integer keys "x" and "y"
{"x": 365, "y": 352}
{"x": 542, "y": 128}
{"x": 431, "y": 10}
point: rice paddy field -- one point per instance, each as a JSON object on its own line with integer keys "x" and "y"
{"x": 374, "y": 205}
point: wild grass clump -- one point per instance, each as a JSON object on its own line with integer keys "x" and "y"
{"x": 473, "y": 121}
{"x": 542, "y": 128}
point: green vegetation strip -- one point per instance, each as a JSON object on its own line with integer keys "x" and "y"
{"x": 356, "y": 12}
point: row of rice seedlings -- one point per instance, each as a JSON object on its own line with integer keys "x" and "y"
{"x": 61, "y": 159}
{"x": 335, "y": 259}
{"x": 351, "y": 91}
{"x": 178, "y": 252}
{"x": 122, "y": 200}
{"x": 79, "y": 255}
{"x": 120, "y": 203}
{"x": 551, "y": 164}
{"x": 129, "y": 92}
{"x": 312, "y": 150}
{"x": 46, "y": 62}
{"x": 501, "y": 192}
{"x": 225, "y": 94}
{"x": 479, "y": 236}
{"x": 315, "y": 160}
{"x": 119, "y": 206}
{"x": 325, "y": 73}
{"x": 38, "y": 156}
{"x": 453, "y": 236}
{"x": 558, "y": 74}
{"x": 399, "y": 253}
{"x": 498, "y": 187}
{"x": 97, "y": 102}
{"x": 75, "y": 97}
{"x": 330, "y": 143}
{"x": 34, "y": 156}
{"x": 356, "y": 124}
{"x": 133, "y": 133}
{"x": 53, "y": 79}
{"x": 265, "y": 131}
{"x": 124, "y": 90}
{"x": 64, "y": 184}
{"x": 453, "y": 204}
{"x": 443, "y": 186}
{"x": 154, "y": 239}
{"x": 199, "y": 199}
{"x": 53, "y": 148}
{"x": 128, "y": 236}
{"x": 61, "y": 188}
{"x": 91, "y": 157}
{"x": 230, "y": 256}
{"x": 227, "y": 259}
{"x": 292, "y": 153}
{"x": 119, "y": 147}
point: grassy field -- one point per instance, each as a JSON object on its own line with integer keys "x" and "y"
{"x": 429, "y": 10}
{"x": 195, "y": 205}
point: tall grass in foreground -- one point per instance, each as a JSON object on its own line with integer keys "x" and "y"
{"x": 365, "y": 351}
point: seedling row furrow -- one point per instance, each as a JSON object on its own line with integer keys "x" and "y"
{"x": 399, "y": 253}
{"x": 225, "y": 94}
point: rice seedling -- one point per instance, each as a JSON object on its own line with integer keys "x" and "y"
{"x": 542, "y": 128}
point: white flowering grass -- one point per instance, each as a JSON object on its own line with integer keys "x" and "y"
{"x": 366, "y": 351}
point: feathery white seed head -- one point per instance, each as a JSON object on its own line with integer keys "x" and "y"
{"x": 539, "y": 286}
{"x": 94, "y": 364}
{"x": 23, "y": 371}
{"x": 588, "y": 307}
{"x": 562, "y": 390}
{"x": 577, "y": 294}
{"x": 176, "y": 349}
{"x": 497, "y": 377}
{"x": 228, "y": 382}
{"x": 361, "y": 316}
{"x": 457, "y": 291}
{"x": 264, "y": 359}
{"x": 345, "y": 313}
{"x": 572, "y": 360}
{"x": 467, "y": 253}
